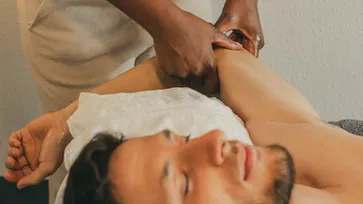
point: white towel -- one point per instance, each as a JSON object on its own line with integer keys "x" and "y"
{"x": 181, "y": 110}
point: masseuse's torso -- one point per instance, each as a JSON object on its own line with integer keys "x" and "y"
{"x": 74, "y": 46}
{"x": 80, "y": 30}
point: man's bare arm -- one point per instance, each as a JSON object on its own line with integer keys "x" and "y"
{"x": 326, "y": 158}
{"x": 144, "y": 77}
{"x": 255, "y": 92}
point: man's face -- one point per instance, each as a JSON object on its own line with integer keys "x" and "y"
{"x": 166, "y": 168}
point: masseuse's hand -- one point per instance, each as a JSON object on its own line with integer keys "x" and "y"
{"x": 242, "y": 17}
{"x": 36, "y": 151}
{"x": 186, "y": 49}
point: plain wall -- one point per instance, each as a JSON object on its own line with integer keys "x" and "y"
{"x": 18, "y": 98}
{"x": 315, "y": 45}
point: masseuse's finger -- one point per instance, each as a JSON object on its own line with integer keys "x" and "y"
{"x": 36, "y": 176}
{"x": 252, "y": 43}
{"x": 221, "y": 40}
{"x": 251, "y": 47}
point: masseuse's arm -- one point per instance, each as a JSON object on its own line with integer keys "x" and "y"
{"x": 182, "y": 41}
{"x": 328, "y": 160}
{"x": 242, "y": 17}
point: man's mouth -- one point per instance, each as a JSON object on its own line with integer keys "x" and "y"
{"x": 245, "y": 160}
{"x": 249, "y": 159}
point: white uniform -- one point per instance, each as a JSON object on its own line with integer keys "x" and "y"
{"x": 75, "y": 45}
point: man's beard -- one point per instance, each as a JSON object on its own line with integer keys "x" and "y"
{"x": 283, "y": 182}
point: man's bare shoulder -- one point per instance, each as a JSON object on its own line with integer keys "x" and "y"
{"x": 302, "y": 194}
{"x": 328, "y": 159}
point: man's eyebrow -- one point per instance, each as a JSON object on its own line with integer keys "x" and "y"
{"x": 166, "y": 169}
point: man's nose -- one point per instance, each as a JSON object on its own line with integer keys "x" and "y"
{"x": 212, "y": 146}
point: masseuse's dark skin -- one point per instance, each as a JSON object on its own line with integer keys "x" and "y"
{"x": 242, "y": 17}
{"x": 184, "y": 43}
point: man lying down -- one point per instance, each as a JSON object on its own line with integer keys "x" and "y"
{"x": 296, "y": 158}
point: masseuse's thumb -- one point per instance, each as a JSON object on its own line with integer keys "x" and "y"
{"x": 221, "y": 40}
{"x": 36, "y": 176}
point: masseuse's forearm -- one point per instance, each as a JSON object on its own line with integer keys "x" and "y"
{"x": 143, "y": 77}
{"x": 255, "y": 92}
{"x": 153, "y": 15}
{"x": 233, "y": 7}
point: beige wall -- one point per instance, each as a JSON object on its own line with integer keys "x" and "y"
{"x": 18, "y": 98}
{"x": 316, "y": 45}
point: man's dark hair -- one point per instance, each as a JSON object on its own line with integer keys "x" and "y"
{"x": 88, "y": 181}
